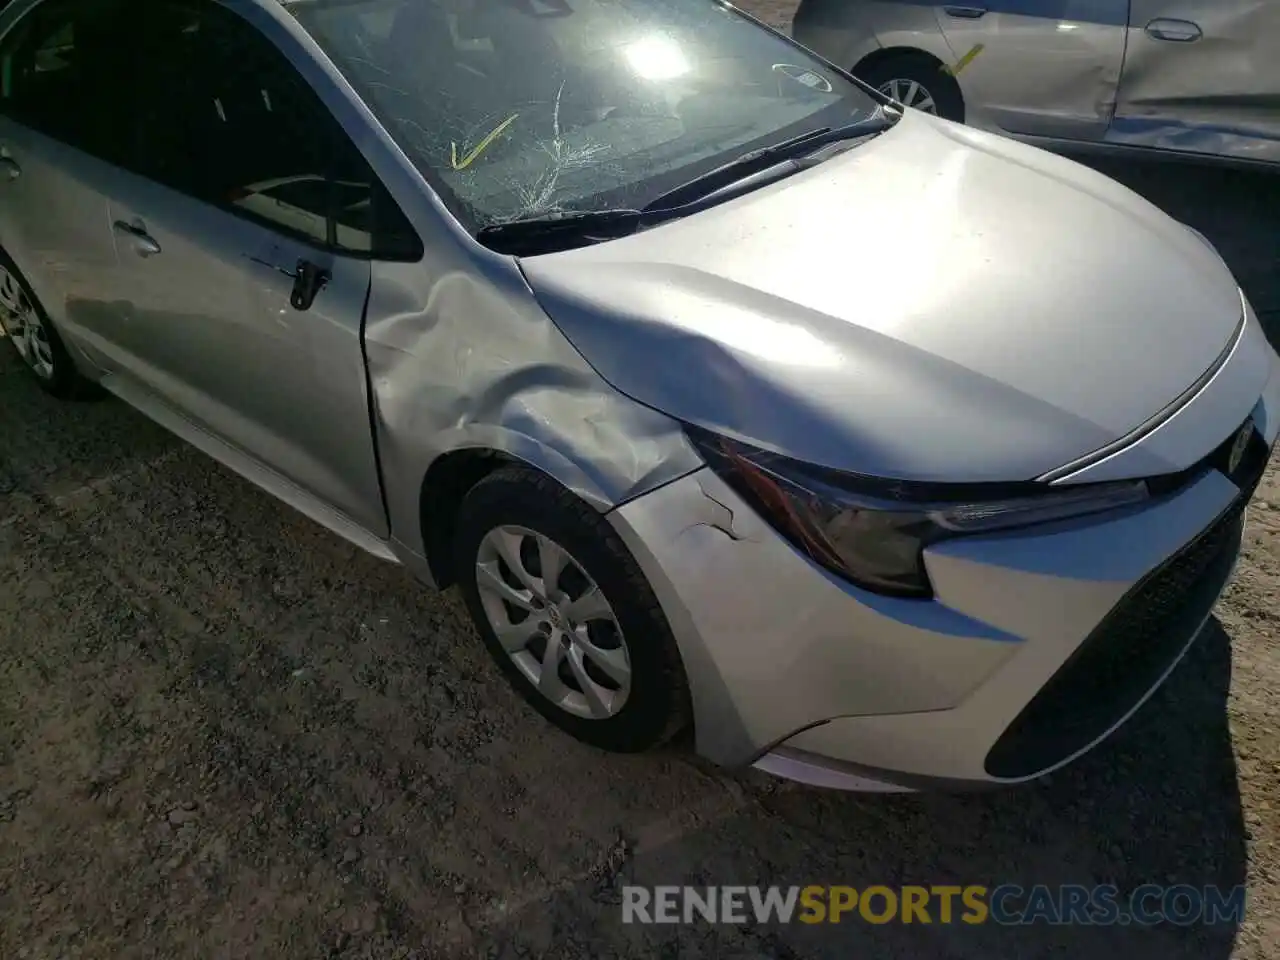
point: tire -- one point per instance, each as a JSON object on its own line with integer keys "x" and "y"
{"x": 654, "y": 704}
{"x": 45, "y": 358}
{"x": 921, "y": 69}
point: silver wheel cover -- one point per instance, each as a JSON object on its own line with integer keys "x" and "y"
{"x": 554, "y": 622}
{"x": 910, "y": 93}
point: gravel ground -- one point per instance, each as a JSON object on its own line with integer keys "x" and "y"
{"x": 225, "y": 733}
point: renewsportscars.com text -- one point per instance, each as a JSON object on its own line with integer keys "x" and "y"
{"x": 1007, "y": 904}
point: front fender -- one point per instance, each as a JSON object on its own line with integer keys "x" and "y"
{"x": 466, "y": 359}
{"x": 598, "y": 468}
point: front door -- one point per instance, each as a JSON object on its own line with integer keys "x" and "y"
{"x": 241, "y": 183}
{"x": 1045, "y": 68}
{"x": 1202, "y": 76}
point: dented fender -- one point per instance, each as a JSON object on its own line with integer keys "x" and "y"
{"x": 461, "y": 357}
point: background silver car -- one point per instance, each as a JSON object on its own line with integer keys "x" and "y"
{"x": 1199, "y": 77}
{"x": 563, "y": 301}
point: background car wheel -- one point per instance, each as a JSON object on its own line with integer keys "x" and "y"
{"x": 37, "y": 343}
{"x": 564, "y": 609}
{"x": 916, "y": 80}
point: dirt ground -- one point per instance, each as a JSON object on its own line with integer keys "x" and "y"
{"x": 225, "y": 733}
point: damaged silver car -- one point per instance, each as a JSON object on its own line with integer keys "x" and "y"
{"x": 882, "y": 452}
{"x": 1199, "y": 78}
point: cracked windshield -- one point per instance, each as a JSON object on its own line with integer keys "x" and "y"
{"x": 526, "y": 108}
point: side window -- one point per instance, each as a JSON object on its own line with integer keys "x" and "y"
{"x": 65, "y": 72}
{"x": 225, "y": 118}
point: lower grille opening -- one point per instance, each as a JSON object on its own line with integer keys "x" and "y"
{"x": 1124, "y": 657}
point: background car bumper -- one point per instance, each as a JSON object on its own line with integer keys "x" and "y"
{"x": 809, "y": 677}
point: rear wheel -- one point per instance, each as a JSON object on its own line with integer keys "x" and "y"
{"x": 566, "y": 612}
{"x": 34, "y": 338}
{"x": 916, "y": 80}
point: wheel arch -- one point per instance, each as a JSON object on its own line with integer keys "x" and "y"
{"x": 882, "y": 55}
{"x": 947, "y": 87}
{"x": 80, "y": 381}
{"x": 453, "y": 474}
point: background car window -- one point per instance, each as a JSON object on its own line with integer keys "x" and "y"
{"x": 222, "y": 116}
{"x": 64, "y": 72}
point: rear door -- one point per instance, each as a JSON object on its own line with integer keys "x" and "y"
{"x": 1046, "y": 68}
{"x": 246, "y": 234}
{"x": 1202, "y": 76}
{"x": 63, "y": 77}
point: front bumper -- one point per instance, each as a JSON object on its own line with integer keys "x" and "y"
{"x": 1037, "y": 645}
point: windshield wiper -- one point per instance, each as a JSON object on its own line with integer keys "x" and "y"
{"x": 558, "y": 231}
{"x": 755, "y": 161}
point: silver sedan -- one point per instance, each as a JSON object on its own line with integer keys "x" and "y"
{"x": 883, "y": 452}
{"x": 1194, "y": 77}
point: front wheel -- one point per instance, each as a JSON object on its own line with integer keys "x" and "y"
{"x": 566, "y": 612}
{"x": 919, "y": 81}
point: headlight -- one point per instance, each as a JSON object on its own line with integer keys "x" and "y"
{"x": 873, "y": 532}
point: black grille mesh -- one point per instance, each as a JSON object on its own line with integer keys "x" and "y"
{"x": 1126, "y": 655}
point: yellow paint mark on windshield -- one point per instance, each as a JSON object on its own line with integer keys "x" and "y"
{"x": 964, "y": 61}
{"x": 481, "y": 147}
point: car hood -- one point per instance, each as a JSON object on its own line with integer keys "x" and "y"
{"x": 935, "y": 304}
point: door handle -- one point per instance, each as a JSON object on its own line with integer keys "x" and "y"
{"x": 308, "y": 280}
{"x": 1174, "y": 31}
{"x": 143, "y": 243}
{"x": 965, "y": 13}
{"x": 9, "y": 168}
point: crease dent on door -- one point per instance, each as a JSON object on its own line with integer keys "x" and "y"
{"x": 1046, "y": 68}
{"x": 1216, "y": 93}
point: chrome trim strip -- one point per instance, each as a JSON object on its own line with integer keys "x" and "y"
{"x": 1150, "y": 426}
